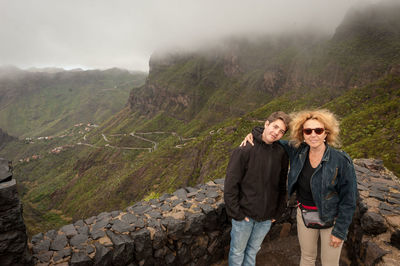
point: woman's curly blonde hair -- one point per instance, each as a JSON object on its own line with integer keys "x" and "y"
{"x": 324, "y": 116}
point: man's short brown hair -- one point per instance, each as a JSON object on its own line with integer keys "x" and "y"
{"x": 280, "y": 115}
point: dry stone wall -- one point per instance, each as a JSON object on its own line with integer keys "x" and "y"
{"x": 189, "y": 227}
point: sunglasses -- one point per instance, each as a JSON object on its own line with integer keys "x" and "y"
{"x": 317, "y": 131}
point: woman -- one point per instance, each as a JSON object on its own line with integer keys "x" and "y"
{"x": 324, "y": 181}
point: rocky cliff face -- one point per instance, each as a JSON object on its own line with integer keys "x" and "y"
{"x": 157, "y": 98}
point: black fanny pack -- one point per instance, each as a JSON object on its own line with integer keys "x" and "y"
{"x": 311, "y": 218}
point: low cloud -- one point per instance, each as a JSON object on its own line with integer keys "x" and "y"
{"x": 123, "y": 33}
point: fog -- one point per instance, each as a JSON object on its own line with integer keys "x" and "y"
{"x": 124, "y": 33}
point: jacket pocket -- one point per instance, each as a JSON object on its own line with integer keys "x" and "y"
{"x": 331, "y": 202}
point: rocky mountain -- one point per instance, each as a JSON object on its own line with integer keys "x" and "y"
{"x": 240, "y": 75}
{"x": 179, "y": 128}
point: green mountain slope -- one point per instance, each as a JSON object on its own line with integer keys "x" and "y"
{"x": 41, "y": 103}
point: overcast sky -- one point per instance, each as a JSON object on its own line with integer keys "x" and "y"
{"x": 124, "y": 33}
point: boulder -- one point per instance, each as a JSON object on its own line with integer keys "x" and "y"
{"x": 59, "y": 243}
{"x": 81, "y": 259}
{"x": 373, "y": 223}
{"x": 395, "y": 239}
{"x": 77, "y": 240}
{"x": 69, "y": 230}
{"x": 103, "y": 255}
{"x": 372, "y": 253}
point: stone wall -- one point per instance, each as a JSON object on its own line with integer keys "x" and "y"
{"x": 13, "y": 238}
{"x": 374, "y": 237}
{"x": 190, "y": 227}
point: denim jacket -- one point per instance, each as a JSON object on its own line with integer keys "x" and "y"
{"x": 333, "y": 184}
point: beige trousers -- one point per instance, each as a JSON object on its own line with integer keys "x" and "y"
{"x": 308, "y": 239}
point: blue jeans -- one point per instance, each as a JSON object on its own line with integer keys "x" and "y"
{"x": 246, "y": 240}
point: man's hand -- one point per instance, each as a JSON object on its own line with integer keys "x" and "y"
{"x": 246, "y": 219}
{"x": 249, "y": 138}
{"x": 335, "y": 242}
{"x": 273, "y": 220}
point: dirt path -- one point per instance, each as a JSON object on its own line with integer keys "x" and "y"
{"x": 105, "y": 138}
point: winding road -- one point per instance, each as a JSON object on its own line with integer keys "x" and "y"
{"x": 140, "y": 135}
{"x": 137, "y": 135}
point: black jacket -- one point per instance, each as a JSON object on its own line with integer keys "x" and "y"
{"x": 255, "y": 183}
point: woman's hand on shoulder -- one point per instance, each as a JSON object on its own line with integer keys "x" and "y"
{"x": 249, "y": 139}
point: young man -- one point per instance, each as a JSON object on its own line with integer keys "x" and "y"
{"x": 255, "y": 189}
